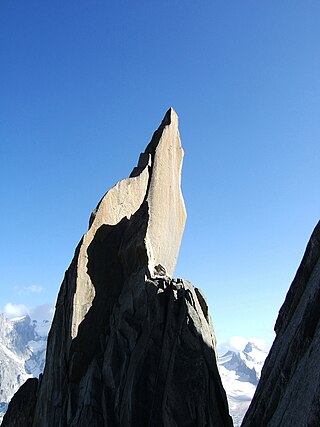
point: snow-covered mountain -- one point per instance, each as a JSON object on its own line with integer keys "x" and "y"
{"x": 22, "y": 354}
{"x": 240, "y": 373}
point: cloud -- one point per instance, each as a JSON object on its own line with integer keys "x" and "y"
{"x": 15, "y": 310}
{"x": 30, "y": 289}
{"x": 237, "y": 342}
{"x": 40, "y": 312}
{"x": 35, "y": 289}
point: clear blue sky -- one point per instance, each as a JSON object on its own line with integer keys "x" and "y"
{"x": 83, "y": 86}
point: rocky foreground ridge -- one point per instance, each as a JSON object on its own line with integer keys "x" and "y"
{"x": 130, "y": 345}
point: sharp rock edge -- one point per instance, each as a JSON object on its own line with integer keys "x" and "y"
{"x": 288, "y": 393}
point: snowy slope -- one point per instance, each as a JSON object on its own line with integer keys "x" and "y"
{"x": 240, "y": 374}
{"x": 22, "y": 354}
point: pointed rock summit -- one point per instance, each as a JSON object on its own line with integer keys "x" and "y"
{"x": 142, "y": 217}
{"x": 288, "y": 393}
{"x": 130, "y": 345}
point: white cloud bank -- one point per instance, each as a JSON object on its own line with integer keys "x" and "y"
{"x": 15, "y": 310}
{"x": 40, "y": 312}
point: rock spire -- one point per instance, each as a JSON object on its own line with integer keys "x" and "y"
{"x": 130, "y": 345}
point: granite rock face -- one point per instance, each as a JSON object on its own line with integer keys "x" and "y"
{"x": 288, "y": 393}
{"x": 129, "y": 345}
{"x": 155, "y": 367}
{"x": 153, "y": 189}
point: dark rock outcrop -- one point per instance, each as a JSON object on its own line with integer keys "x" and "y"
{"x": 129, "y": 345}
{"x": 288, "y": 393}
{"x": 21, "y": 408}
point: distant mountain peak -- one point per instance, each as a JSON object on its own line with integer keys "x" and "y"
{"x": 240, "y": 373}
{"x": 250, "y": 346}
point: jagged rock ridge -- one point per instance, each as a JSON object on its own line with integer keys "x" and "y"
{"x": 129, "y": 345}
{"x": 288, "y": 393}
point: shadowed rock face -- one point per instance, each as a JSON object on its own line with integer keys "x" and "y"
{"x": 21, "y": 408}
{"x": 156, "y": 367}
{"x": 288, "y": 393}
{"x": 129, "y": 346}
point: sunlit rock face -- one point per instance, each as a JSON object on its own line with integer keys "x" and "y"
{"x": 156, "y": 182}
{"x": 288, "y": 393}
{"x": 130, "y": 345}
